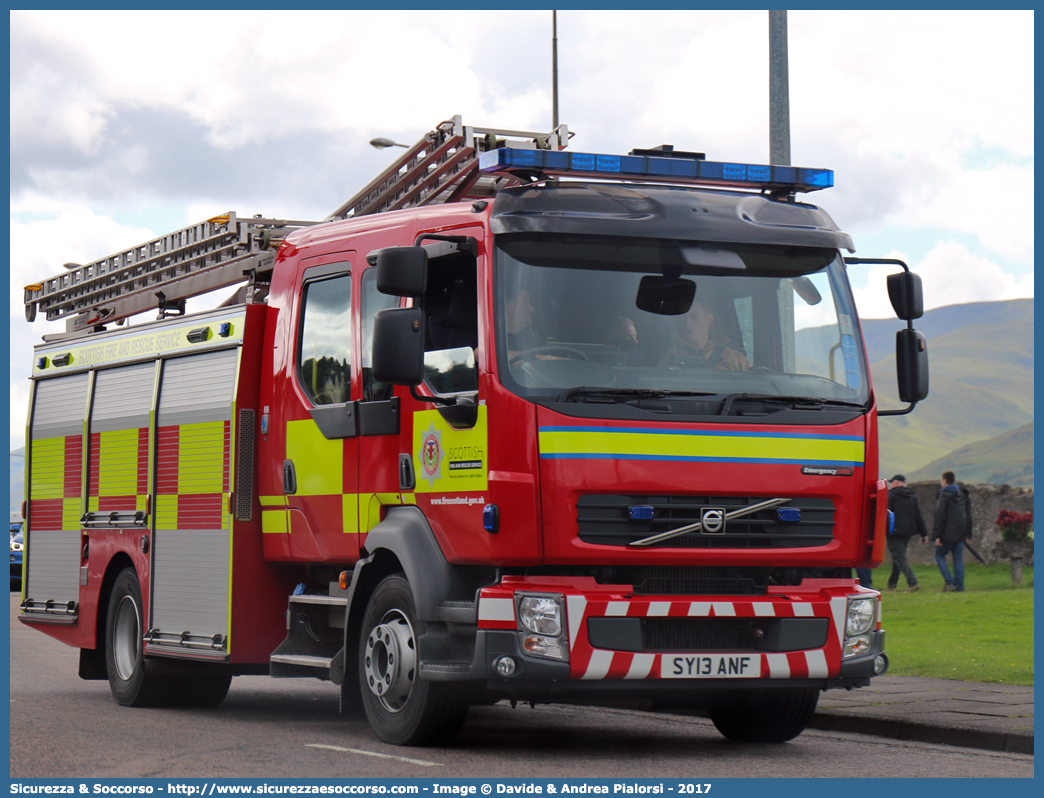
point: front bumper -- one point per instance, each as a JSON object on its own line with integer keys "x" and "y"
{"x": 628, "y": 645}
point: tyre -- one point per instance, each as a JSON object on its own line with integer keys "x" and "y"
{"x": 402, "y": 708}
{"x": 764, "y": 716}
{"x": 200, "y": 691}
{"x": 124, "y": 660}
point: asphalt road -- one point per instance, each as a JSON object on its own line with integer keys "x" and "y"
{"x": 62, "y": 726}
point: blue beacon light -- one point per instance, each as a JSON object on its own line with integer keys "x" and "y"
{"x": 651, "y": 168}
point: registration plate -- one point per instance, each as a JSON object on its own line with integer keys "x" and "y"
{"x": 710, "y": 666}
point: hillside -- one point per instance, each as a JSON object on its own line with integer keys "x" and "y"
{"x": 1004, "y": 459}
{"x": 981, "y": 384}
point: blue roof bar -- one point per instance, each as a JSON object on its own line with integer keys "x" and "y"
{"x": 649, "y": 168}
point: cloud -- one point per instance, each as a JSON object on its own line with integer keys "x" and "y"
{"x": 950, "y": 275}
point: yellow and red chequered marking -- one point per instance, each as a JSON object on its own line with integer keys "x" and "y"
{"x": 496, "y": 610}
{"x": 192, "y": 475}
{"x": 55, "y": 483}
{"x": 118, "y": 470}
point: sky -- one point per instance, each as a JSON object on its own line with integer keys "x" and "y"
{"x": 128, "y": 125}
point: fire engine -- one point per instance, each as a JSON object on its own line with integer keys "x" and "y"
{"x": 513, "y": 423}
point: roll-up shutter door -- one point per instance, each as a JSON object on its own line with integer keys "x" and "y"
{"x": 118, "y": 454}
{"x": 52, "y": 558}
{"x": 193, "y": 527}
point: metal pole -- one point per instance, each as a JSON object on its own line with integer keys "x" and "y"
{"x": 779, "y": 90}
{"x": 554, "y": 70}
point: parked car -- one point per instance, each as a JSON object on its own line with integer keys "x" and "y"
{"x": 16, "y": 559}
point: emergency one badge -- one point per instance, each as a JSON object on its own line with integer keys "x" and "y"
{"x": 431, "y": 454}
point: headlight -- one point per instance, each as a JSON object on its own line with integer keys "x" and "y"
{"x": 541, "y": 615}
{"x": 861, "y": 614}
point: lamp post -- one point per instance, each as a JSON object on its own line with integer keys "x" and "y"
{"x": 381, "y": 143}
{"x": 554, "y": 70}
{"x": 779, "y": 90}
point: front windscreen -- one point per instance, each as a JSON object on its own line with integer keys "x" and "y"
{"x": 619, "y": 317}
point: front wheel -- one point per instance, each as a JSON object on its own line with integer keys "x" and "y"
{"x": 402, "y": 708}
{"x": 764, "y": 716}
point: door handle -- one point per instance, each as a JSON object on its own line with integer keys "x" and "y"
{"x": 289, "y": 477}
{"x": 407, "y": 479}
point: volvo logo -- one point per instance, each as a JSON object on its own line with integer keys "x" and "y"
{"x": 712, "y": 520}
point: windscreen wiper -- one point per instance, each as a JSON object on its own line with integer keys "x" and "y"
{"x": 816, "y": 402}
{"x": 614, "y": 393}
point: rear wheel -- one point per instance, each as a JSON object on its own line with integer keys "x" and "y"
{"x": 200, "y": 691}
{"x": 764, "y": 716}
{"x": 402, "y": 708}
{"x": 124, "y": 659}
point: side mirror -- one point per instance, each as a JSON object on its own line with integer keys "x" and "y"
{"x": 904, "y": 290}
{"x": 911, "y": 358}
{"x": 666, "y": 296}
{"x": 398, "y": 346}
{"x": 402, "y": 271}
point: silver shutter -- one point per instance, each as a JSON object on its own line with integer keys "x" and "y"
{"x": 52, "y": 558}
{"x": 191, "y": 557}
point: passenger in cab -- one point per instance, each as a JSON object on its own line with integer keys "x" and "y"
{"x": 696, "y": 344}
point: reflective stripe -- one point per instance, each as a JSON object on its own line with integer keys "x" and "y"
{"x": 641, "y": 666}
{"x": 817, "y": 664}
{"x": 607, "y": 443}
{"x": 724, "y": 608}
{"x": 318, "y": 462}
{"x": 47, "y": 480}
{"x": 274, "y": 522}
{"x": 202, "y": 457}
{"x": 599, "y": 665}
{"x": 779, "y": 666}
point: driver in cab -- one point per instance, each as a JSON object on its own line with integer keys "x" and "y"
{"x": 518, "y": 319}
{"x": 695, "y": 345}
{"x": 522, "y": 341}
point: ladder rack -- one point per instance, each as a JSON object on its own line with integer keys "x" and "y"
{"x": 161, "y": 273}
{"x": 229, "y": 250}
{"x": 443, "y": 167}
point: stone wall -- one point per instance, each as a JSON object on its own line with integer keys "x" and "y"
{"x": 987, "y": 501}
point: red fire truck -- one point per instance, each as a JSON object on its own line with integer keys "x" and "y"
{"x": 514, "y": 423}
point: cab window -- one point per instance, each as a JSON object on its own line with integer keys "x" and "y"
{"x": 326, "y": 340}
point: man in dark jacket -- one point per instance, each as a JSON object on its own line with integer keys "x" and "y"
{"x": 952, "y": 525}
{"x": 908, "y": 522}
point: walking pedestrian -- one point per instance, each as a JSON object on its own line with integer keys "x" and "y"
{"x": 908, "y": 522}
{"x": 953, "y": 524}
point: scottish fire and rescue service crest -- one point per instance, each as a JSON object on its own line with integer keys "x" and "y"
{"x": 431, "y": 454}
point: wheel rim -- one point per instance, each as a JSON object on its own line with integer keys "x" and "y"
{"x": 391, "y": 660}
{"x": 126, "y": 636}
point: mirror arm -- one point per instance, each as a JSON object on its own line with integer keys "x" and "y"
{"x": 901, "y": 412}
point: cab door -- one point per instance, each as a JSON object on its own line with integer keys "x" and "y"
{"x": 320, "y": 447}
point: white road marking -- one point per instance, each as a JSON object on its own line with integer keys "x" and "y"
{"x": 420, "y": 762}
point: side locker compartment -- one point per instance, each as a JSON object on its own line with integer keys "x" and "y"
{"x": 51, "y": 572}
{"x": 192, "y": 539}
{"x": 116, "y": 518}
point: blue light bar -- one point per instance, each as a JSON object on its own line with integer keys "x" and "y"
{"x": 663, "y": 170}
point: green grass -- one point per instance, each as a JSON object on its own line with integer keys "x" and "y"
{"x": 984, "y": 634}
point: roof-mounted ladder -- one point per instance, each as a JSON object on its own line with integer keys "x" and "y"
{"x": 443, "y": 167}
{"x": 229, "y": 250}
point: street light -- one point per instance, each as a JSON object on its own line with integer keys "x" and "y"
{"x": 381, "y": 143}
